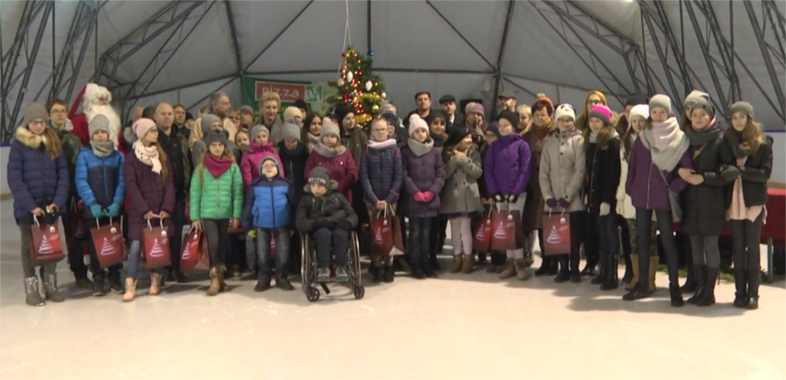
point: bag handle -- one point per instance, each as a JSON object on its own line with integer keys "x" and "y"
{"x": 98, "y": 225}
{"x": 148, "y": 221}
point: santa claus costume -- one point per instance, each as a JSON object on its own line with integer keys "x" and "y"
{"x": 95, "y": 100}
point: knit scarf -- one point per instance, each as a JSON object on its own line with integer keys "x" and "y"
{"x": 666, "y": 142}
{"x": 311, "y": 140}
{"x": 544, "y": 130}
{"x": 148, "y": 155}
{"x": 328, "y": 152}
{"x": 261, "y": 148}
{"x": 381, "y": 145}
{"x": 593, "y": 137}
{"x": 217, "y": 165}
{"x": 439, "y": 139}
{"x": 420, "y": 148}
{"x": 102, "y": 149}
{"x": 739, "y": 150}
{"x": 709, "y": 133}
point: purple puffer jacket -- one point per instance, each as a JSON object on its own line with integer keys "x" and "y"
{"x": 422, "y": 173}
{"x": 148, "y": 192}
{"x": 507, "y": 166}
{"x": 645, "y": 186}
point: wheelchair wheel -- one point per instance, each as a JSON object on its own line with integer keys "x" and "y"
{"x": 359, "y": 292}
{"x": 305, "y": 262}
{"x": 354, "y": 251}
{"x": 312, "y": 294}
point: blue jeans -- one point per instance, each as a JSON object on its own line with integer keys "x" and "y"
{"x": 282, "y": 251}
{"x": 134, "y": 254}
{"x": 608, "y": 235}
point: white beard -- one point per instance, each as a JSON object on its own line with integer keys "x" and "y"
{"x": 111, "y": 114}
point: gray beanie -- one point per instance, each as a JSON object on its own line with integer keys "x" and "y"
{"x": 207, "y": 121}
{"x": 694, "y": 97}
{"x": 329, "y": 128}
{"x": 743, "y": 107}
{"x": 661, "y": 101}
{"x": 290, "y": 131}
{"x": 706, "y": 106}
{"x": 247, "y": 109}
{"x": 35, "y": 111}
{"x": 258, "y": 128}
{"x": 216, "y": 136}
{"x": 99, "y": 123}
{"x": 320, "y": 175}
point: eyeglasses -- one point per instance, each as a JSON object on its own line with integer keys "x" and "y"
{"x": 38, "y": 122}
{"x": 235, "y": 118}
{"x": 269, "y": 166}
{"x": 58, "y": 112}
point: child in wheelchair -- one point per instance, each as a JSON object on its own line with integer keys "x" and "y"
{"x": 328, "y": 218}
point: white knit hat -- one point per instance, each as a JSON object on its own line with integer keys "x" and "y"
{"x": 642, "y": 110}
{"x": 415, "y": 122}
{"x": 564, "y": 110}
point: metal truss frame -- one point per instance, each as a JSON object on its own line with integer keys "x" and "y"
{"x": 25, "y": 46}
{"x": 772, "y": 13}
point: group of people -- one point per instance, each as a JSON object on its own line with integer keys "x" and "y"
{"x": 245, "y": 181}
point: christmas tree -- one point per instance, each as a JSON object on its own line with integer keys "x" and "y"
{"x": 358, "y": 87}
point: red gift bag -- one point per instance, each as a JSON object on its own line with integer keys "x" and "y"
{"x": 556, "y": 233}
{"x": 109, "y": 244}
{"x": 386, "y": 243}
{"x": 505, "y": 230}
{"x": 481, "y": 239}
{"x": 155, "y": 246}
{"x": 45, "y": 244}
{"x": 192, "y": 250}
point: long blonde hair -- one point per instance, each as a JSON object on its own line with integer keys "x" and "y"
{"x": 53, "y": 146}
{"x": 752, "y": 136}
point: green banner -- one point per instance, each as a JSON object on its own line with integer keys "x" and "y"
{"x": 314, "y": 93}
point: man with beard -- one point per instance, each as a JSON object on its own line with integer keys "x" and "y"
{"x": 507, "y": 103}
{"x": 448, "y": 104}
{"x": 219, "y": 106}
{"x": 175, "y": 145}
{"x": 423, "y": 100}
{"x": 97, "y": 101}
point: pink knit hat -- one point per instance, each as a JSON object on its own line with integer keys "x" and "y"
{"x": 142, "y": 126}
{"x": 601, "y": 112}
{"x": 416, "y": 122}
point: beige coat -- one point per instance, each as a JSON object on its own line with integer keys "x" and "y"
{"x": 460, "y": 194}
{"x": 562, "y": 168}
{"x": 196, "y": 132}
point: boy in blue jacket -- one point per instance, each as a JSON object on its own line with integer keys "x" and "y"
{"x": 267, "y": 210}
{"x": 99, "y": 181}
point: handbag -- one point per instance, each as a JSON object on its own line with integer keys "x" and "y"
{"x": 674, "y": 199}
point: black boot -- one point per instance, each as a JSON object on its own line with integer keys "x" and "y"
{"x": 741, "y": 288}
{"x": 98, "y": 284}
{"x": 700, "y": 274}
{"x": 564, "y": 271}
{"x": 640, "y": 290}
{"x": 708, "y": 293}
{"x": 676, "y": 296}
{"x": 754, "y": 279}
{"x": 545, "y": 266}
{"x": 603, "y": 274}
{"x": 388, "y": 273}
{"x": 554, "y": 267}
{"x": 628, "y": 276}
{"x": 690, "y": 281}
{"x": 589, "y": 269}
{"x": 612, "y": 278}
{"x": 428, "y": 270}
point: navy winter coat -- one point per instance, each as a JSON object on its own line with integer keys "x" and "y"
{"x": 381, "y": 173}
{"x": 35, "y": 179}
{"x": 99, "y": 180}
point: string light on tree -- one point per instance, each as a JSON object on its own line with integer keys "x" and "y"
{"x": 359, "y": 87}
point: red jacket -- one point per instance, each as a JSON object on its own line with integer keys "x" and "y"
{"x": 80, "y": 123}
{"x": 342, "y": 169}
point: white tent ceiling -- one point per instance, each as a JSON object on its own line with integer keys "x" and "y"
{"x": 181, "y": 51}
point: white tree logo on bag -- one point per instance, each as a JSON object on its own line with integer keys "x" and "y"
{"x": 157, "y": 250}
{"x": 187, "y": 250}
{"x": 378, "y": 237}
{"x": 554, "y": 237}
{"x": 107, "y": 249}
{"x": 501, "y": 233}
{"x": 45, "y": 248}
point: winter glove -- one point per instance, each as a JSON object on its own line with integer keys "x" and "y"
{"x": 428, "y": 196}
{"x": 420, "y": 196}
{"x": 97, "y": 210}
{"x": 499, "y": 198}
{"x": 564, "y": 203}
{"x": 252, "y": 234}
{"x": 605, "y": 208}
{"x": 512, "y": 198}
{"x": 320, "y": 223}
{"x": 345, "y": 225}
{"x": 551, "y": 202}
{"x": 113, "y": 210}
{"x": 743, "y": 172}
{"x": 729, "y": 173}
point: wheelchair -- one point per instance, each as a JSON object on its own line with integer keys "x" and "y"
{"x": 308, "y": 268}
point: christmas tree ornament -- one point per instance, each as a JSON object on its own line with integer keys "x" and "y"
{"x": 375, "y": 108}
{"x": 340, "y": 81}
{"x": 349, "y": 76}
{"x": 384, "y": 95}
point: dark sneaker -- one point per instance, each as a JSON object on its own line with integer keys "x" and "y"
{"x": 341, "y": 274}
{"x": 263, "y": 284}
{"x": 284, "y": 284}
{"x": 84, "y": 283}
{"x": 115, "y": 285}
{"x": 323, "y": 275}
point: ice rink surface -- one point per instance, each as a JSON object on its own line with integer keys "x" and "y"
{"x": 455, "y": 327}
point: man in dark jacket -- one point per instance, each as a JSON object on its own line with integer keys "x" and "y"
{"x": 423, "y": 101}
{"x": 507, "y": 103}
{"x": 448, "y": 104}
{"x": 176, "y": 147}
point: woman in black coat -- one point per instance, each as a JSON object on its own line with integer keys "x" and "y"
{"x": 747, "y": 153}
{"x": 704, "y": 211}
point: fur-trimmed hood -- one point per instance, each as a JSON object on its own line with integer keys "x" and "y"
{"x": 332, "y": 185}
{"x": 29, "y": 139}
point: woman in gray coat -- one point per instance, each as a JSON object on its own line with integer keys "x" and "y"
{"x": 562, "y": 168}
{"x": 461, "y": 196}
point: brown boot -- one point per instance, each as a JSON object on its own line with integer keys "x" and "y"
{"x": 521, "y": 269}
{"x": 508, "y": 270}
{"x": 130, "y": 293}
{"x": 457, "y": 263}
{"x": 468, "y": 264}
{"x": 222, "y": 269}
{"x": 215, "y": 283}
{"x": 653, "y": 269}
{"x": 155, "y": 284}
{"x": 634, "y": 260}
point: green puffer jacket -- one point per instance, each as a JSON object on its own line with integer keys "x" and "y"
{"x": 216, "y": 198}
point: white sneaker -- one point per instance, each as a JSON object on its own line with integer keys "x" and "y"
{"x": 323, "y": 275}
{"x": 341, "y": 274}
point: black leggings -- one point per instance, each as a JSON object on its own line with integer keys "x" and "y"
{"x": 746, "y": 236}
{"x": 666, "y": 227}
{"x": 216, "y": 232}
